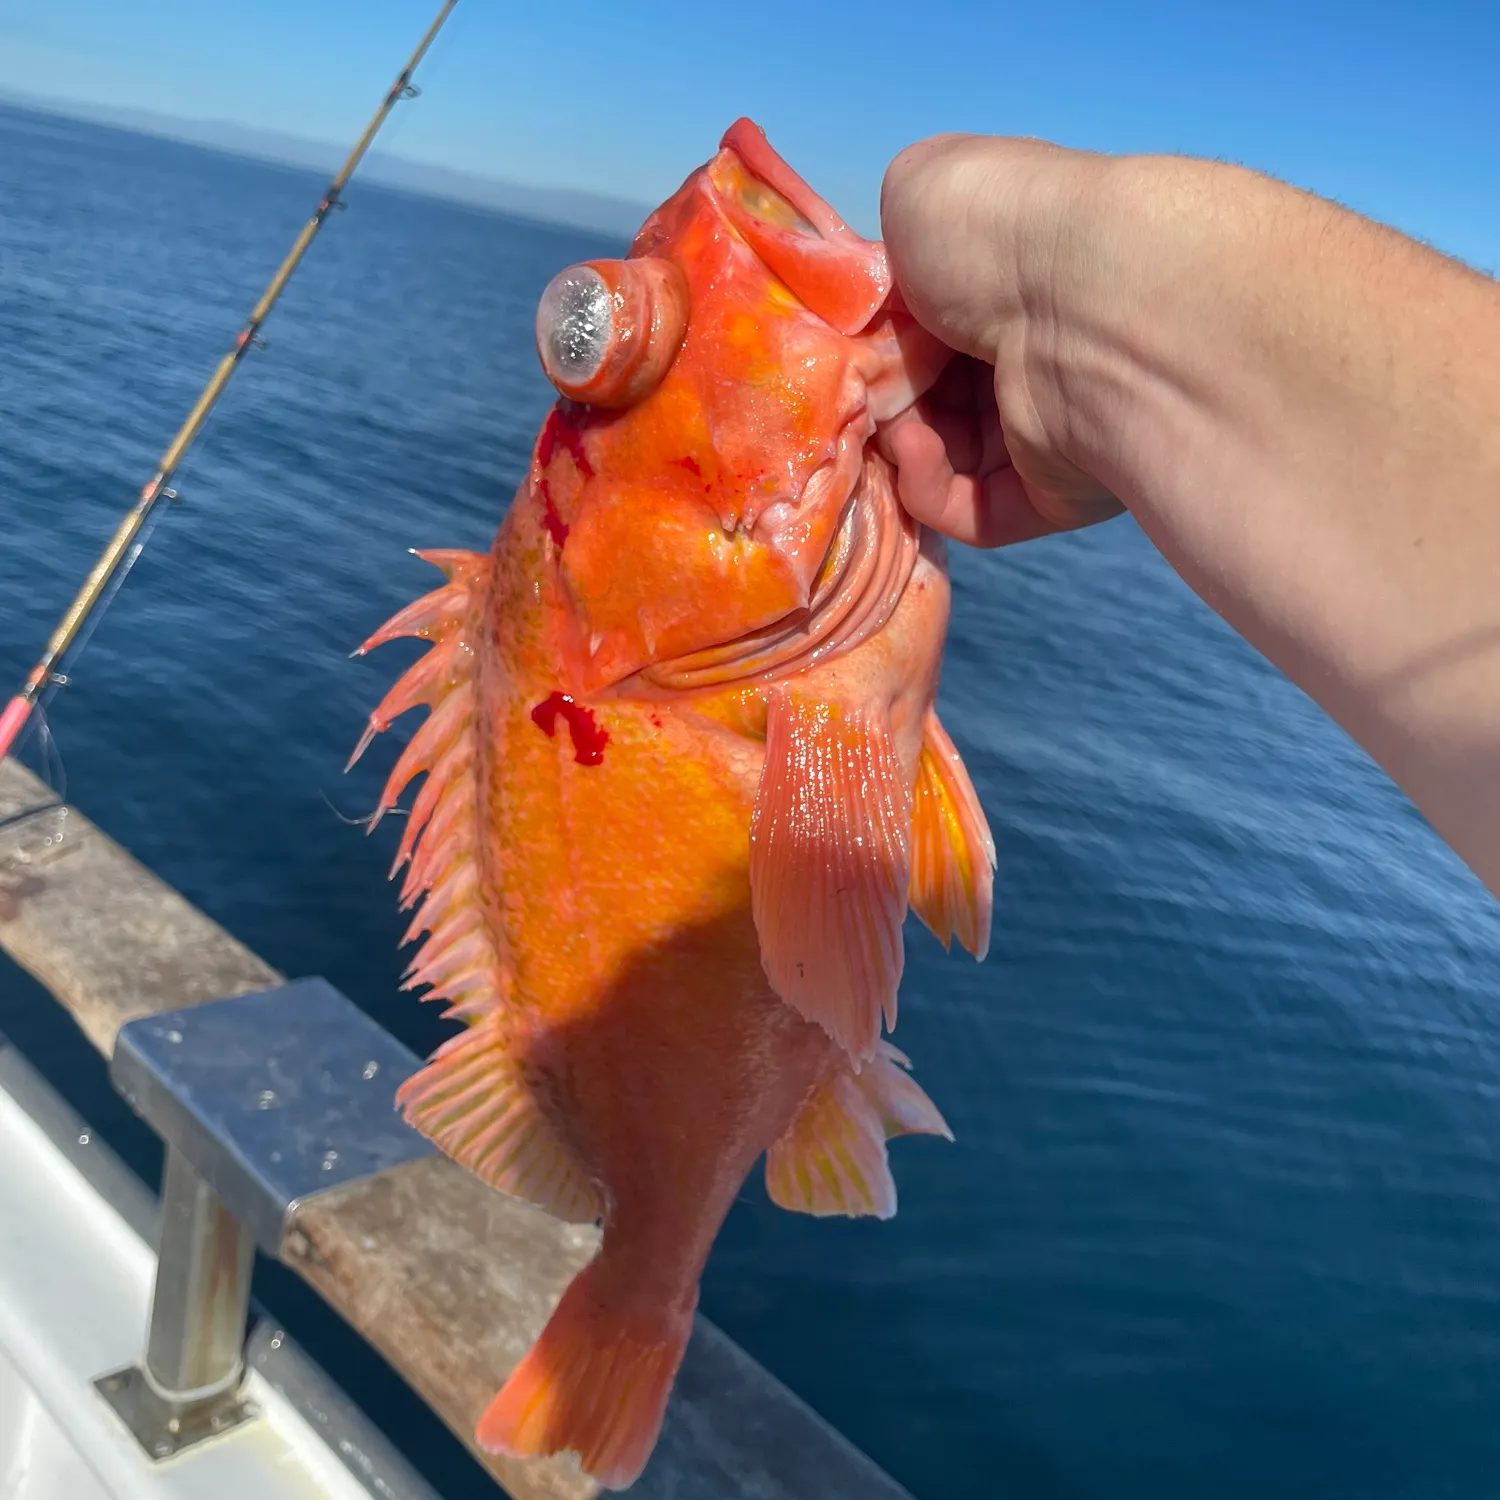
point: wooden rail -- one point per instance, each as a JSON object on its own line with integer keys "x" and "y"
{"x": 448, "y": 1279}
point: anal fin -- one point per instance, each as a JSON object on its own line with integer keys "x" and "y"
{"x": 472, "y": 1102}
{"x": 829, "y": 857}
{"x": 952, "y": 850}
{"x": 832, "y": 1159}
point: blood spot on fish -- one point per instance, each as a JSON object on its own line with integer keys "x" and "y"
{"x": 557, "y": 528}
{"x": 559, "y": 432}
{"x": 589, "y": 739}
{"x": 690, "y": 464}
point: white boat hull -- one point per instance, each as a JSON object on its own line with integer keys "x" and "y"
{"x": 75, "y": 1293}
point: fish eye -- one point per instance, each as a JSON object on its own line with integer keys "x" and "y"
{"x": 607, "y": 331}
{"x": 574, "y": 322}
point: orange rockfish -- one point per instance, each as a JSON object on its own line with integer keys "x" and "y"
{"x": 683, "y": 778}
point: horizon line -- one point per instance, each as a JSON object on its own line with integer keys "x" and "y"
{"x": 572, "y": 208}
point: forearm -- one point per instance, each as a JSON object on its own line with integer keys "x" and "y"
{"x": 1303, "y": 411}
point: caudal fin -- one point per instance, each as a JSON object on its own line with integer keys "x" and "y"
{"x": 595, "y": 1383}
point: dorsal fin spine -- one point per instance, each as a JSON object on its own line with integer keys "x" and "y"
{"x": 458, "y": 958}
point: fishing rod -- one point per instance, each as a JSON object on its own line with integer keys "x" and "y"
{"x": 125, "y": 545}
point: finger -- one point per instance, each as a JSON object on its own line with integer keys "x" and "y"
{"x": 965, "y": 438}
{"x": 926, "y": 483}
{"x": 1007, "y": 514}
{"x": 995, "y": 511}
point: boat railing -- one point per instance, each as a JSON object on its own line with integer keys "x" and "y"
{"x": 274, "y": 1099}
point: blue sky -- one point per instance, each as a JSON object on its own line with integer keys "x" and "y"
{"x": 1391, "y": 108}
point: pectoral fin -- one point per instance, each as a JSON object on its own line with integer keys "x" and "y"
{"x": 829, "y": 866}
{"x": 952, "y": 851}
{"x": 472, "y": 1102}
{"x": 833, "y": 1158}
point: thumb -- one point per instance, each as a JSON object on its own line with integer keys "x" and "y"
{"x": 967, "y": 220}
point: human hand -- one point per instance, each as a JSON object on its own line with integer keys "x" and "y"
{"x": 1297, "y": 405}
{"x": 974, "y": 227}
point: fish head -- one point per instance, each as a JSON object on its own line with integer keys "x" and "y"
{"x": 719, "y": 385}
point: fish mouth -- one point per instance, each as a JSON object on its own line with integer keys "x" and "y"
{"x": 857, "y": 586}
{"x": 813, "y": 214}
{"x": 796, "y": 233}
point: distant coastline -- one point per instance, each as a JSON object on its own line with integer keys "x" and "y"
{"x": 579, "y": 210}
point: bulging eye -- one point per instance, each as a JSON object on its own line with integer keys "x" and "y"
{"x": 607, "y": 331}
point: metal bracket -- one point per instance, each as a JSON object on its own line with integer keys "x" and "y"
{"x": 271, "y": 1097}
{"x": 264, "y": 1101}
{"x": 164, "y": 1428}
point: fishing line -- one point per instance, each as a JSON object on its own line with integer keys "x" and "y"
{"x": 52, "y": 770}
{"x": 437, "y": 65}
{"x": 33, "y": 835}
{"x": 367, "y": 822}
{"x": 120, "y": 554}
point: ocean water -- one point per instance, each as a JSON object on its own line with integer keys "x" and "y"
{"x": 1223, "y": 1213}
